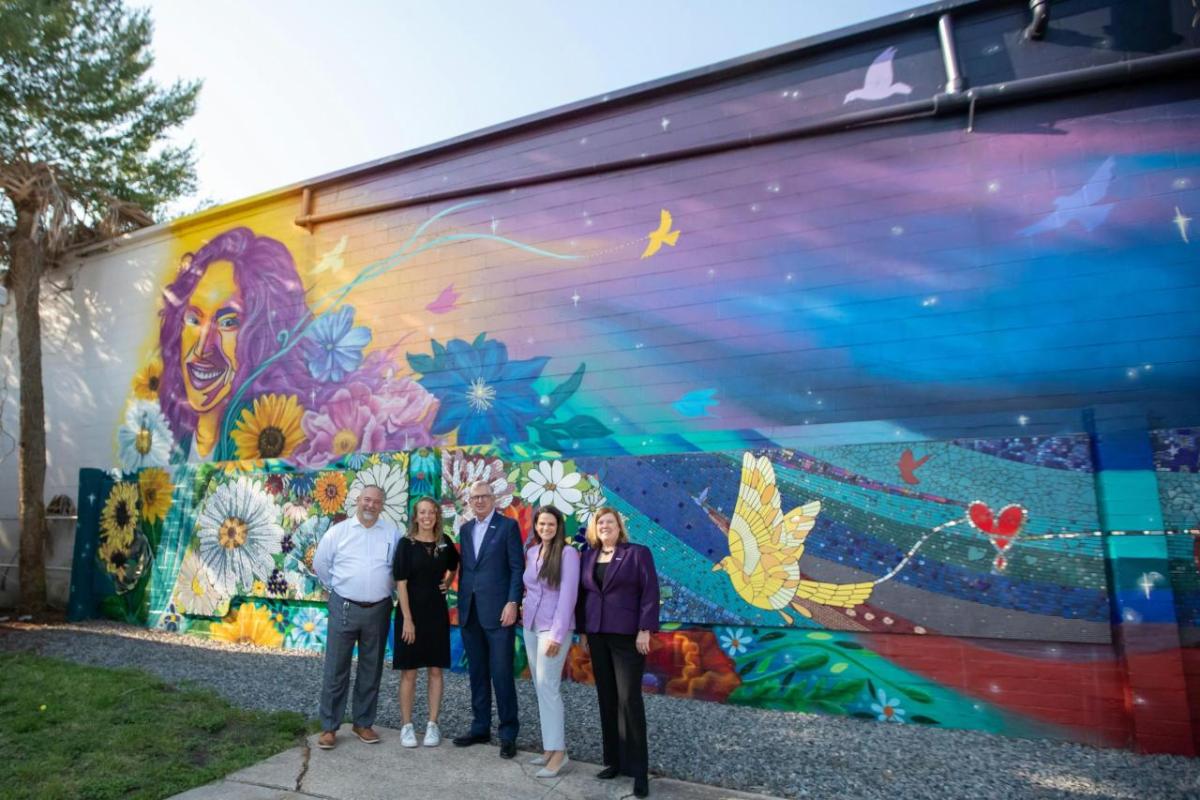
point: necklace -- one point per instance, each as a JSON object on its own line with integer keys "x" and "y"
{"x": 607, "y": 552}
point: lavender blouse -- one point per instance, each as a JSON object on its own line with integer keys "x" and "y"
{"x": 547, "y": 609}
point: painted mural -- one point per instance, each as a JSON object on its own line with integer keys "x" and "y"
{"x": 868, "y": 596}
{"x": 837, "y": 384}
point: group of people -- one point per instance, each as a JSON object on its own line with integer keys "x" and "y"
{"x": 608, "y": 595}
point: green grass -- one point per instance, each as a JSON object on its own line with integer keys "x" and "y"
{"x": 72, "y": 731}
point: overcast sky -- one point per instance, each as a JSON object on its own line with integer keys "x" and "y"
{"x": 296, "y": 89}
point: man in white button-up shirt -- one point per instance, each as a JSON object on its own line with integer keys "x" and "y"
{"x": 354, "y": 562}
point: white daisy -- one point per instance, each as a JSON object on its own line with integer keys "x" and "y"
{"x": 593, "y": 500}
{"x": 195, "y": 592}
{"x": 393, "y": 479}
{"x": 550, "y": 485}
{"x": 735, "y": 641}
{"x": 887, "y": 710}
{"x": 239, "y": 533}
{"x": 145, "y": 438}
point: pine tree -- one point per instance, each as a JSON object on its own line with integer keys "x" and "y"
{"x": 84, "y": 155}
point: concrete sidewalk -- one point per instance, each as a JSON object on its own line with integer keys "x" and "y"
{"x": 385, "y": 771}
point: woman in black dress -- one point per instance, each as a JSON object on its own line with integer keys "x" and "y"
{"x": 425, "y": 565}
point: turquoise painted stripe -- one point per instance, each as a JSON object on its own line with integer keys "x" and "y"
{"x": 908, "y": 510}
{"x": 960, "y": 474}
{"x": 1130, "y": 500}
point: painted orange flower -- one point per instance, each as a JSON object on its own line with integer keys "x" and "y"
{"x": 250, "y": 624}
{"x": 271, "y": 429}
{"x": 691, "y": 663}
{"x": 155, "y": 487}
{"x": 148, "y": 379}
{"x": 330, "y": 491}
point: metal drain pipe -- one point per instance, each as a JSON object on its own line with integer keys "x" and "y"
{"x": 1041, "y": 19}
{"x": 955, "y": 82}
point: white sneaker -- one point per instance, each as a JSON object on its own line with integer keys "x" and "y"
{"x": 408, "y": 736}
{"x": 433, "y": 735}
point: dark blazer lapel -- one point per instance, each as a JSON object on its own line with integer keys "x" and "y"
{"x": 465, "y": 545}
{"x": 619, "y": 558}
{"x": 587, "y": 569}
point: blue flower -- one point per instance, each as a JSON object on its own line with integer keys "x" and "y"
{"x": 302, "y": 484}
{"x": 334, "y": 346}
{"x": 481, "y": 393}
{"x": 310, "y": 627}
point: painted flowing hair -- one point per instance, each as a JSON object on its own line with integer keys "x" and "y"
{"x": 273, "y": 299}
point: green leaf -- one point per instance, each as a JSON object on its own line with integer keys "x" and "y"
{"x": 546, "y": 436}
{"x": 439, "y": 352}
{"x": 863, "y": 714}
{"x": 830, "y": 707}
{"x": 745, "y": 668}
{"x": 921, "y": 719}
{"x": 811, "y": 662}
{"x": 914, "y": 693}
{"x": 846, "y": 690}
{"x": 564, "y": 390}
{"x": 768, "y": 637}
{"x": 585, "y": 427}
{"x": 849, "y": 645}
{"x": 479, "y": 340}
{"x": 421, "y": 363}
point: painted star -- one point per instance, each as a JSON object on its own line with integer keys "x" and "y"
{"x": 1181, "y": 222}
{"x": 575, "y": 298}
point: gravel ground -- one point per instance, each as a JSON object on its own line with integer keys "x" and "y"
{"x": 780, "y": 753}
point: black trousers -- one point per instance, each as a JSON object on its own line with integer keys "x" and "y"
{"x": 618, "y": 668}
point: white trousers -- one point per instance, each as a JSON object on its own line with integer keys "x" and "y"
{"x": 547, "y": 678}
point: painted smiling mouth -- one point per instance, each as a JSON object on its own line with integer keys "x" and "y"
{"x": 203, "y": 375}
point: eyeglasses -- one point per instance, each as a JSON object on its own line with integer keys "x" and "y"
{"x": 481, "y": 497}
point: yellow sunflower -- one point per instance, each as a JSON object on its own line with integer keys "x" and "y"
{"x": 116, "y": 558}
{"x": 119, "y": 518}
{"x": 250, "y": 624}
{"x": 148, "y": 379}
{"x": 330, "y": 491}
{"x": 156, "y": 488}
{"x": 271, "y": 429}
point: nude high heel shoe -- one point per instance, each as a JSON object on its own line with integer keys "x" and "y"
{"x": 546, "y": 772}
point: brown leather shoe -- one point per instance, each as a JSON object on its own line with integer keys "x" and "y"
{"x": 366, "y": 734}
{"x": 327, "y": 740}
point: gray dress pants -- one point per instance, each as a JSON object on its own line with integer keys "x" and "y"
{"x": 350, "y": 625}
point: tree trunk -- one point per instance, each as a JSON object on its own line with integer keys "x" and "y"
{"x": 25, "y": 281}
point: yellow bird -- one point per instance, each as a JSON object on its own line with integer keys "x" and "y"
{"x": 664, "y": 235}
{"x": 765, "y": 547}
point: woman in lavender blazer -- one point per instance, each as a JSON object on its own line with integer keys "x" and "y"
{"x": 551, "y": 584}
{"x": 616, "y": 613}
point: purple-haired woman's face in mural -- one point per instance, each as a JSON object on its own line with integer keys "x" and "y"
{"x": 208, "y": 342}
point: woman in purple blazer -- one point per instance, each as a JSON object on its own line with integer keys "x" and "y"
{"x": 616, "y": 613}
{"x": 551, "y": 585}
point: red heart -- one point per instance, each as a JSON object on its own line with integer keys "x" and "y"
{"x": 1002, "y": 529}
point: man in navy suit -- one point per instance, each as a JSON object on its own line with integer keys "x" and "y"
{"x": 489, "y": 589}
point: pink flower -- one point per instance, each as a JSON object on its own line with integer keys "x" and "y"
{"x": 358, "y": 420}
{"x": 350, "y": 422}
{"x": 408, "y": 411}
